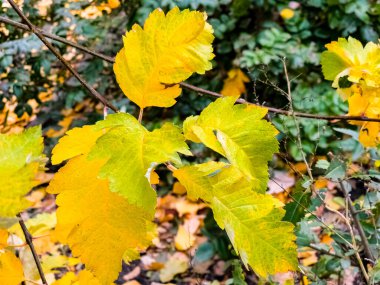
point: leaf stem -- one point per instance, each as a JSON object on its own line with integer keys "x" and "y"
{"x": 141, "y": 115}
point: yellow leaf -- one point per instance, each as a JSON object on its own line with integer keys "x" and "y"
{"x": 185, "y": 236}
{"x": 96, "y": 223}
{"x": 20, "y": 160}
{"x": 241, "y": 135}
{"x": 11, "y": 272}
{"x": 348, "y": 57}
{"x": 287, "y": 13}
{"x": 178, "y": 188}
{"x": 154, "y": 178}
{"x": 176, "y": 264}
{"x": 168, "y": 50}
{"x": 3, "y": 238}
{"x": 252, "y": 220}
{"x": 131, "y": 153}
{"x": 113, "y": 4}
{"x": 234, "y": 84}
{"x": 76, "y": 142}
{"x": 83, "y": 278}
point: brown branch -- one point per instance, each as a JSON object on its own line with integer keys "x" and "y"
{"x": 56, "y": 38}
{"x": 358, "y": 225}
{"x": 29, "y": 241}
{"x": 192, "y": 87}
{"x": 280, "y": 111}
{"x": 39, "y": 34}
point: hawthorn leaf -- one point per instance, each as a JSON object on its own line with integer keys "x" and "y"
{"x": 132, "y": 152}
{"x": 168, "y": 50}
{"x": 75, "y": 142}
{"x": 252, "y": 220}
{"x": 240, "y": 134}
{"x": 97, "y": 224}
{"x": 11, "y": 272}
{"x": 20, "y": 160}
{"x": 233, "y": 85}
{"x": 348, "y": 57}
{"x": 193, "y": 179}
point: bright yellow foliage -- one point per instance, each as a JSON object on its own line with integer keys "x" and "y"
{"x": 20, "y": 160}
{"x": 234, "y": 83}
{"x": 115, "y": 155}
{"x": 168, "y": 50}
{"x": 350, "y": 58}
{"x": 3, "y": 238}
{"x": 240, "y": 134}
{"x": 11, "y": 272}
{"x": 131, "y": 153}
{"x": 83, "y": 278}
{"x": 355, "y": 71}
{"x": 100, "y": 227}
{"x": 251, "y": 219}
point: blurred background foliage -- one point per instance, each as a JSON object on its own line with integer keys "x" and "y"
{"x": 253, "y": 35}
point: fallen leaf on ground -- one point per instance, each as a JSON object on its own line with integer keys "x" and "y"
{"x": 176, "y": 264}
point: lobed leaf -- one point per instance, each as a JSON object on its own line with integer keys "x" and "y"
{"x": 239, "y": 133}
{"x": 101, "y": 227}
{"x": 252, "y": 220}
{"x": 166, "y": 51}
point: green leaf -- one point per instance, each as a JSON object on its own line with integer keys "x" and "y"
{"x": 20, "y": 159}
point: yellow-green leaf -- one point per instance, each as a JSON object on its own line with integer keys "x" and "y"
{"x": 252, "y": 220}
{"x": 20, "y": 160}
{"x": 348, "y": 57}
{"x": 100, "y": 227}
{"x": 11, "y": 272}
{"x": 132, "y": 152}
{"x": 239, "y": 133}
{"x": 166, "y": 51}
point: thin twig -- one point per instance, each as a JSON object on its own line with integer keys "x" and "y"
{"x": 354, "y": 244}
{"x": 324, "y": 251}
{"x": 29, "y": 241}
{"x": 358, "y": 225}
{"x": 38, "y": 33}
{"x": 192, "y": 87}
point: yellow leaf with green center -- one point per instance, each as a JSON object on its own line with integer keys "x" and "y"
{"x": 131, "y": 153}
{"x": 234, "y": 84}
{"x": 20, "y": 159}
{"x": 239, "y": 133}
{"x": 168, "y": 50}
{"x": 348, "y": 57}
{"x": 11, "y": 272}
{"x": 97, "y": 224}
{"x": 252, "y": 220}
